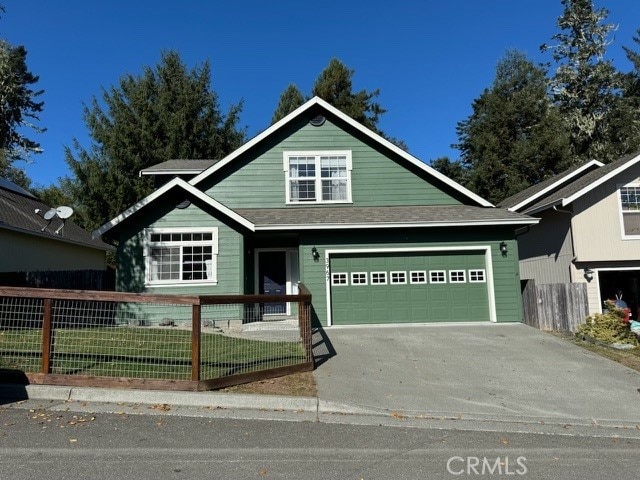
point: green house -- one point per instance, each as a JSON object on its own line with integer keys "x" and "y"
{"x": 375, "y": 234}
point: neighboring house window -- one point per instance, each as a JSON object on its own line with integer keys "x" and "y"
{"x": 378, "y": 278}
{"x": 437, "y": 276}
{"x": 358, "y": 278}
{"x": 322, "y": 177}
{"x": 477, "y": 276}
{"x": 179, "y": 256}
{"x": 398, "y": 278}
{"x": 339, "y": 279}
{"x": 457, "y": 276}
{"x": 630, "y": 205}
{"x": 419, "y": 277}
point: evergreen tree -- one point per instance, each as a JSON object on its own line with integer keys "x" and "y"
{"x": 514, "y": 137}
{"x": 290, "y": 99}
{"x": 335, "y": 87}
{"x": 165, "y": 113}
{"x": 585, "y": 86}
{"x": 19, "y": 108}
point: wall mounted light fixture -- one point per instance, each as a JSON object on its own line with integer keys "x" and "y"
{"x": 588, "y": 274}
{"x": 315, "y": 254}
{"x": 503, "y": 249}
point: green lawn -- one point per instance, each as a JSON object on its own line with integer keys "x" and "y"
{"x": 147, "y": 352}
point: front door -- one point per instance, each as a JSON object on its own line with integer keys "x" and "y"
{"x": 272, "y": 278}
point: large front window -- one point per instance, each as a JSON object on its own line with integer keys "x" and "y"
{"x": 630, "y": 205}
{"x": 323, "y": 177}
{"x": 177, "y": 256}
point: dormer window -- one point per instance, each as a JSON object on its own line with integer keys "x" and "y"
{"x": 318, "y": 177}
{"x": 630, "y": 207}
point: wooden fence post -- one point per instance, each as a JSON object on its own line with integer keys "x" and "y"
{"x": 196, "y": 316}
{"x": 46, "y": 336}
{"x": 304, "y": 322}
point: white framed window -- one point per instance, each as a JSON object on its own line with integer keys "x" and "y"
{"x": 437, "y": 276}
{"x": 180, "y": 256}
{"x": 378, "y": 278}
{"x": 629, "y": 196}
{"x": 318, "y": 177}
{"x": 457, "y": 276}
{"x": 339, "y": 279}
{"x": 398, "y": 278}
{"x": 358, "y": 278}
{"x": 477, "y": 276}
{"x": 418, "y": 276}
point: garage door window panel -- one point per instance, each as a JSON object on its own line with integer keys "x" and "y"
{"x": 359, "y": 278}
{"x": 398, "y": 278}
{"x": 477, "y": 276}
{"x": 418, "y": 277}
{"x": 457, "y": 276}
{"x": 378, "y": 278}
{"x": 437, "y": 276}
{"x": 339, "y": 279}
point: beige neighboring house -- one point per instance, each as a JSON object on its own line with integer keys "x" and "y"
{"x": 589, "y": 230}
{"x": 28, "y": 242}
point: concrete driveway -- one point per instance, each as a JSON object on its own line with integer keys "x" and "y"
{"x": 508, "y": 372}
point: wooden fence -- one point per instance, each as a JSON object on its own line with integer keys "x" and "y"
{"x": 557, "y": 307}
{"x": 102, "y": 280}
{"x": 108, "y": 339}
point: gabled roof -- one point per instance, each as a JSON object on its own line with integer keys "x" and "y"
{"x": 176, "y": 183}
{"x": 529, "y": 195}
{"x": 583, "y": 184}
{"x": 18, "y": 213}
{"x": 316, "y": 101}
{"x": 179, "y": 167}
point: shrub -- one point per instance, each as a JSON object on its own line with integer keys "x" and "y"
{"x": 608, "y": 327}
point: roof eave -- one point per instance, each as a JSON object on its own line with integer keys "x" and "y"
{"x": 58, "y": 238}
{"x": 352, "y": 226}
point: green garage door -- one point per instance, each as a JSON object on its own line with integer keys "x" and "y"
{"x": 408, "y": 287}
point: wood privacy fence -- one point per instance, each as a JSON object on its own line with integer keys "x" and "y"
{"x": 559, "y": 307}
{"x": 103, "y": 280}
{"x": 90, "y": 338}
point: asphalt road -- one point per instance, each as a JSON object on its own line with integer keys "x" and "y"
{"x": 44, "y": 444}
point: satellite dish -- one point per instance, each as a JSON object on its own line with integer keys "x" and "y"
{"x": 49, "y": 214}
{"x": 64, "y": 212}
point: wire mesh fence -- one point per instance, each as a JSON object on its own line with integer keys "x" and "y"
{"x": 86, "y": 334}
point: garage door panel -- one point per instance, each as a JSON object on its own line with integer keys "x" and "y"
{"x": 409, "y": 302}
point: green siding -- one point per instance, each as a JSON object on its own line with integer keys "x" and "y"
{"x": 505, "y": 268}
{"x": 258, "y": 178}
{"x": 130, "y": 272}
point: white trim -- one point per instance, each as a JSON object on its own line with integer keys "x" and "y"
{"x": 359, "y": 283}
{"x": 179, "y": 183}
{"x": 439, "y": 273}
{"x": 621, "y": 213}
{"x": 151, "y": 173}
{"x": 404, "y": 275}
{"x": 555, "y": 185}
{"x": 493, "y": 318}
{"x": 318, "y": 177}
{"x": 601, "y": 180}
{"x": 477, "y": 272}
{"x": 464, "y": 276}
{"x": 422, "y": 273}
{"x": 148, "y": 244}
{"x": 379, "y": 274}
{"x": 345, "y": 118}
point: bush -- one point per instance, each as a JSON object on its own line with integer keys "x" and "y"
{"x": 608, "y": 327}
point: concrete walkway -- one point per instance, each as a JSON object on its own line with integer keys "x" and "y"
{"x": 499, "y": 371}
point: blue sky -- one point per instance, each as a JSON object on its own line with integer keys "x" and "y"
{"x": 430, "y": 59}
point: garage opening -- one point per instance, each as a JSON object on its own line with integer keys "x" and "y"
{"x": 623, "y": 285}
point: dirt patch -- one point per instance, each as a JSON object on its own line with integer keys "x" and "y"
{"x": 297, "y": 385}
{"x": 628, "y": 358}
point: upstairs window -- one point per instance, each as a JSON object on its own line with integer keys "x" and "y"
{"x": 630, "y": 206}
{"x": 180, "y": 256}
{"x": 322, "y": 177}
